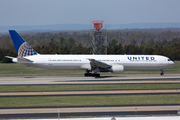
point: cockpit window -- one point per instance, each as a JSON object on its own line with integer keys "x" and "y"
{"x": 169, "y": 60}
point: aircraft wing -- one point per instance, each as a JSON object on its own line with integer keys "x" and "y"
{"x": 95, "y": 63}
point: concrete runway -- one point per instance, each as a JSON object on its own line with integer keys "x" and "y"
{"x": 83, "y": 111}
{"x": 90, "y": 109}
{"x": 89, "y": 93}
{"x": 122, "y": 79}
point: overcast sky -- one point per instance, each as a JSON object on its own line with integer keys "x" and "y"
{"x": 48, "y": 12}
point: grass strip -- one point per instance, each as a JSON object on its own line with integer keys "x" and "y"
{"x": 88, "y": 100}
{"x": 86, "y": 87}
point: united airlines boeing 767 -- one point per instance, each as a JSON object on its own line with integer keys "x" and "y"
{"x": 90, "y": 63}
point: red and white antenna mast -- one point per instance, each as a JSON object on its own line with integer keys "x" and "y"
{"x": 98, "y": 38}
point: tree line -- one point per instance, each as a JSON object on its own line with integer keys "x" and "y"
{"x": 136, "y": 37}
{"x": 128, "y": 41}
{"x": 170, "y": 49}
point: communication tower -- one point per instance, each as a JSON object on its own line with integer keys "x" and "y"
{"x": 98, "y": 38}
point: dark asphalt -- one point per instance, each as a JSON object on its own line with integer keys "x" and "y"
{"x": 43, "y": 115}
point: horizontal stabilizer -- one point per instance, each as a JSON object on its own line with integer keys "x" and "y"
{"x": 9, "y": 57}
{"x": 13, "y": 58}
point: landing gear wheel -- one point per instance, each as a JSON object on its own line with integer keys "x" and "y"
{"x": 90, "y": 74}
{"x": 87, "y": 74}
{"x": 162, "y": 74}
{"x": 96, "y": 75}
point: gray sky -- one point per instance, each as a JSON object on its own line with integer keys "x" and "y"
{"x": 47, "y": 12}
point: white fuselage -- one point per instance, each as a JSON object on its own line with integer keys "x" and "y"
{"x": 130, "y": 62}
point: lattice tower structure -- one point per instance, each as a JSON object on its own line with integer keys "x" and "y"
{"x": 98, "y": 38}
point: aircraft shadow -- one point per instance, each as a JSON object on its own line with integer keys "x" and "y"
{"x": 109, "y": 76}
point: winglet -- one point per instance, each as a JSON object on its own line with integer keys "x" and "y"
{"x": 23, "y": 49}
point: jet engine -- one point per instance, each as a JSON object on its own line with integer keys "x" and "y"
{"x": 117, "y": 69}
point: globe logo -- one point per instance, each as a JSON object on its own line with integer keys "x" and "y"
{"x": 26, "y": 50}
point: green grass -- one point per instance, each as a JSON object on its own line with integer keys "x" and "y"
{"x": 14, "y": 69}
{"x": 86, "y": 87}
{"x": 88, "y": 100}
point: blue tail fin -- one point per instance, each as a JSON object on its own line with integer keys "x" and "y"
{"x": 23, "y": 49}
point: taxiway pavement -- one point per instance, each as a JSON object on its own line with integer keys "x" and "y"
{"x": 89, "y": 93}
{"x": 75, "y": 80}
{"x": 63, "y": 80}
{"x": 90, "y": 109}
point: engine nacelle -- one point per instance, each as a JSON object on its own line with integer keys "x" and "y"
{"x": 117, "y": 69}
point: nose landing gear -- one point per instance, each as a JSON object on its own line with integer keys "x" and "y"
{"x": 162, "y": 72}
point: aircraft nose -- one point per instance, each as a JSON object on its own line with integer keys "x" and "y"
{"x": 172, "y": 63}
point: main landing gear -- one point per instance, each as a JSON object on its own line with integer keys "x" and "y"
{"x": 91, "y": 74}
{"x": 162, "y": 72}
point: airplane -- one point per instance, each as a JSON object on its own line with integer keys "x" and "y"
{"x": 91, "y": 63}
